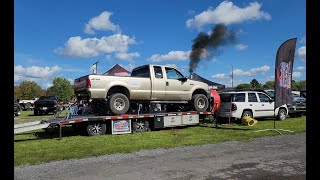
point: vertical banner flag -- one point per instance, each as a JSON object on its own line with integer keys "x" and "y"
{"x": 283, "y": 72}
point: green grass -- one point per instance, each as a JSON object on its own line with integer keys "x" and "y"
{"x": 38, "y": 147}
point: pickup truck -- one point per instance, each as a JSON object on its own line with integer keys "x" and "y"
{"x": 46, "y": 104}
{"x": 147, "y": 84}
{"x": 27, "y": 104}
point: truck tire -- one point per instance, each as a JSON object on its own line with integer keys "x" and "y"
{"x": 35, "y": 113}
{"x": 96, "y": 128}
{"x": 281, "y": 114}
{"x": 119, "y": 103}
{"x": 247, "y": 113}
{"x": 199, "y": 102}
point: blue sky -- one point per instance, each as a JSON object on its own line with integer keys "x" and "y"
{"x": 64, "y": 37}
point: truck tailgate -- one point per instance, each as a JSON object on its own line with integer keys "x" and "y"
{"x": 80, "y": 83}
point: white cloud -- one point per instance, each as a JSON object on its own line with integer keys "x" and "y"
{"x": 261, "y": 69}
{"x": 220, "y": 76}
{"x": 300, "y": 68}
{"x": 171, "y": 56}
{"x": 91, "y": 47}
{"x": 240, "y": 72}
{"x": 36, "y": 71}
{"x": 303, "y": 40}
{"x": 302, "y": 53}
{"x": 296, "y": 74}
{"x": 127, "y": 56}
{"x": 102, "y": 23}
{"x": 241, "y": 47}
{"x": 228, "y": 13}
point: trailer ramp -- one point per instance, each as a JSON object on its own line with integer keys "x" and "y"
{"x": 30, "y": 126}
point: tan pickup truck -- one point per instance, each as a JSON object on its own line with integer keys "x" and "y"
{"x": 148, "y": 83}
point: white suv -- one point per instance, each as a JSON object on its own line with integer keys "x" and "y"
{"x": 256, "y": 104}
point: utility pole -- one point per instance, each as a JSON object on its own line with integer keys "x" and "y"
{"x": 95, "y": 69}
{"x": 232, "y": 77}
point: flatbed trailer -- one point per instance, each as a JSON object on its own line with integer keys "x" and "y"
{"x": 119, "y": 124}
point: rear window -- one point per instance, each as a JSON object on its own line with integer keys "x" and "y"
{"x": 234, "y": 97}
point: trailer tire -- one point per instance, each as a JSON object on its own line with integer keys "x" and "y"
{"x": 119, "y": 103}
{"x": 96, "y": 128}
{"x": 199, "y": 102}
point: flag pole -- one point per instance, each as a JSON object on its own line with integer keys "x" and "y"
{"x": 283, "y": 76}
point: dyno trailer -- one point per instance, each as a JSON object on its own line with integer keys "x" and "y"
{"x": 120, "y": 124}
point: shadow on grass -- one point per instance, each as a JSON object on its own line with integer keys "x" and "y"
{"x": 52, "y": 133}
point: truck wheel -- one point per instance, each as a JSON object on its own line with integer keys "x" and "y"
{"x": 200, "y": 102}
{"x": 119, "y": 103}
{"x": 96, "y": 128}
{"x": 246, "y": 113}
{"x": 281, "y": 114}
{"x": 35, "y": 113}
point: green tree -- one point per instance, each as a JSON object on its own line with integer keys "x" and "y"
{"x": 243, "y": 86}
{"x": 61, "y": 88}
{"x": 269, "y": 85}
{"x": 29, "y": 90}
{"x": 17, "y": 93}
{"x": 255, "y": 83}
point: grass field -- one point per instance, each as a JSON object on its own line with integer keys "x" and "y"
{"x": 39, "y": 147}
{"x": 26, "y": 116}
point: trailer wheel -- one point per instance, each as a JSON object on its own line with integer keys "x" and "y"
{"x": 119, "y": 103}
{"x": 140, "y": 126}
{"x": 200, "y": 102}
{"x": 96, "y": 128}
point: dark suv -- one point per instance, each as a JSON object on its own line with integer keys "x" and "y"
{"x": 16, "y": 107}
{"x": 297, "y": 107}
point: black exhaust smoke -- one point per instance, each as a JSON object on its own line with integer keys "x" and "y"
{"x": 208, "y": 44}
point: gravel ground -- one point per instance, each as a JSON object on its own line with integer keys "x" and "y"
{"x": 280, "y": 157}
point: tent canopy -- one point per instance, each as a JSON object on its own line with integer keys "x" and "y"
{"x": 117, "y": 70}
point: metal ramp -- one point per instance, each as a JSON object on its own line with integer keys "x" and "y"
{"x": 30, "y": 126}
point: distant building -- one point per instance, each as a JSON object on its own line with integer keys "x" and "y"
{"x": 117, "y": 70}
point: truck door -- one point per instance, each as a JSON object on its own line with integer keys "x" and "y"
{"x": 267, "y": 105}
{"x": 157, "y": 84}
{"x": 176, "y": 88}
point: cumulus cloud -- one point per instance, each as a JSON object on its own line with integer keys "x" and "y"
{"x": 92, "y": 47}
{"x": 240, "y": 72}
{"x": 241, "y": 47}
{"x": 300, "y": 67}
{"x": 127, "y": 56}
{"x": 171, "y": 56}
{"x": 102, "y": 23}
{"x": 302, "y": 53}
{"x": 296, "y": 74}
{"x": 34, "y": 73}
{"x": 228, "y": 13}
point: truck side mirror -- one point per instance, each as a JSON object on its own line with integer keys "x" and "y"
{"x": 183, "y": 79}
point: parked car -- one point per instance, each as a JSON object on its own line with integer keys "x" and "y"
{"x": 17, "y": 108}
{"x": 297, "y": 107}
{"x": 256, "y": 104}
{"x": 46, "y": 104}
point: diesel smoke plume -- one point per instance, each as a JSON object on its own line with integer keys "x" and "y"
{"x": 204, "y": 42}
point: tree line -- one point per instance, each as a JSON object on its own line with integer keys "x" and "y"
{"x": 61, "y": 88}
{"x": 295, "y": 86}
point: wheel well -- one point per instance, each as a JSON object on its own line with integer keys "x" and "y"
{"x": 119, "y": 89}
{"x": 199, "y": 91}
{"x": 247, "y": 110}
{"x": 283, "y": 109}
